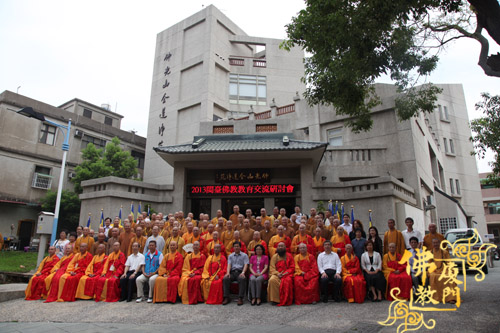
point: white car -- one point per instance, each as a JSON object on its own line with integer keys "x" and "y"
{"x": 454, "y": 235}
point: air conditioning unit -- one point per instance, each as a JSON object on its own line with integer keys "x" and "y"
{"x": 71, "y": 175}
{"x": 78, "y": 133}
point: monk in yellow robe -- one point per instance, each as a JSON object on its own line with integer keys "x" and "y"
{"x": 74, "y": 272}
{"x": 281, "y": 270}
{"x": 86, "y": 238}
{"x": 442, "y": 296}
{"x": 395, "y": 274}
{"x": 306, "y": 277}
{"x": 169, "y": 275}
{"x": 174, "y": 237}
{"x": 187, "y": 232}
{"x": 339, "y": 241}
{"x": 52, "y": 281}
{"x": 257, "y": 240}
{"x": 36, "y": 285}
{"x": 190, "y": 283}
{"x": 86, "y": 285}
{"x": 213, "y": 273}
{"x": 318, "y": 241}
{"x": 302, "y": 238}
{"x": 279, "y": 238}
{"x": 394, "y": 236}
{"x": 108, "y": 285}
{"x": 139, "y": 239}
{"x": 353, "y": 282}
{"x": 227, "y": 237}
{"x": 209, "y": 248}
{"x": 431, "y": 235}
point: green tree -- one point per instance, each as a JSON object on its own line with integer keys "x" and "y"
{"x": 97, "y": 163}
{"x": 69, "y": 212}
{"x": 353, "y": 42}
{"x": 487, "y": 133}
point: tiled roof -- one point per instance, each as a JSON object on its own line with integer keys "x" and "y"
{"x": 241, "y": 143}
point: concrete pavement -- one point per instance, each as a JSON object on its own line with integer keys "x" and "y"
{"x": 479, "y": 312}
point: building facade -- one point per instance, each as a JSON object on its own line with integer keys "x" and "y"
{"x": 491, "y": 203}
{"x": 31, "y": 155}
{"x": 227, "y": 126}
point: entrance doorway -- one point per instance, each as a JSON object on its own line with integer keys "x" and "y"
{"x": 255, "y": 204}
{"x": 26, "y": 228}
{"x": 287, "y": 203}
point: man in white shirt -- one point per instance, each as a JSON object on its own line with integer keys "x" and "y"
{"x": 330, "y": 268}
{"x": 347, "y": 223}
{"x": 160, "y": 241}
{"x": 133, "y": 267}
{"x": 409, "y": 233}
{"x": 107, "y": 227}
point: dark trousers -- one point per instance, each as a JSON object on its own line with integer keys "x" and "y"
{"x": 128, "y": 286}
{"x": 337, "y": 285}
{"x": 234, "y": 275}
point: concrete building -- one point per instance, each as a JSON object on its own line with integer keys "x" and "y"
{"x": 227, "y": 126}
{"x": 491, "y": 204}
{"x": 30, "y": 154}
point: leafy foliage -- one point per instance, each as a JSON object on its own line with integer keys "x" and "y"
{"x": 69, "y": 212}
{"x": 97, "y": 163}
{"x": 487, "y": 133}
{"x": 353, "y": 42}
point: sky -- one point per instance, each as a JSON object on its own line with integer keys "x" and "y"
{"x": 103, "y": 51}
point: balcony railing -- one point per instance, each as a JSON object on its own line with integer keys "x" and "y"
{"x": 42, "y": 181}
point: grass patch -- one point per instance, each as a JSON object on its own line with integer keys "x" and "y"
{"x": 10, "y": 261}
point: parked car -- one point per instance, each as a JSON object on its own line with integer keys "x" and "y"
{"x": 461, "y": 235}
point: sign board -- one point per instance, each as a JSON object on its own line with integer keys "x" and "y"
{"x": 243, "y": 176}
{"x": 232, "y": 190}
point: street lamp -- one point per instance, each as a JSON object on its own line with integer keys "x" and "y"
{"x": 29, "y": 112}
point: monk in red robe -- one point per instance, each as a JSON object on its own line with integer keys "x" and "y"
{"x": 108, "y": 285}
{"x": 353, "y": 282}
{"x": 169, "y": 275}
{"x": 87, "y": 283}
{"x": 280, "y": 237}
{"x": 36, "y": 286}
{"x": 339, "y": 241}
{"x": 213, "y": 273}
{"x": 395, "y": 274}
{"x": 190, "y": 284}
{"x": 281, "y": 270}
{"x": 74, "y": 272}
{"x": 302, "y": 238}
{"x": 52, "y": 281}
{"x": 306, "y": 279}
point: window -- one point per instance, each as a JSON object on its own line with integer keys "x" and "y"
{"x": 139, "y": 157}
{"x": 108, "y": 121}
{"x": 494, "y": 207}
{"x": 247, "y": 89}
{"x": 457, "y": 186}
{"x": 99, "y": 143}
{"x": 452, "y": 186}
{"x": 87, "y": 113}
{"x": 445, "y": 143}
{"x": 447, "y": 223}
{"x": 452, "y": 147}
{"x": 446, "y": 114}
{"x": 42, "y": 178}
{"x": 335, "y": 137}
{"x": 48, "y": 134}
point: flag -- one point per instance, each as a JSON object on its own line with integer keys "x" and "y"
{"x": 139, "y": 212}
{"x": 330, "y": 206}
{"x": 148, "y": 211}
{"x": 101, "y": 223}
{"x": 120, "y": 216}
{"x": 342, "y": 207}
{"x": 337, "y": 209}
{"x": 132, "y": 210}
{"x": 370, "y": 217}
{"x": 352, "y": 214}
{"x": 88, "y": 221}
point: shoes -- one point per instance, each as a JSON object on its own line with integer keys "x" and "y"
{"x": 150, "y": 300}
{"x": 259, "y": 302}
{"x": 121, "y": 299}
{"x": 325, "y": 300}
{"x": 253, "y": 302}
{"x": 225, "y": 301}
{"x": 240, "y": 301}
{"x": 139, "y": 300}
{"x": 129, "y": 300}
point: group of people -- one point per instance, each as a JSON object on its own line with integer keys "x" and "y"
{"x": 298, "y": 259}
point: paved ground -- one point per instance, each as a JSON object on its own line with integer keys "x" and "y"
{"x": 479, "y": 312}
